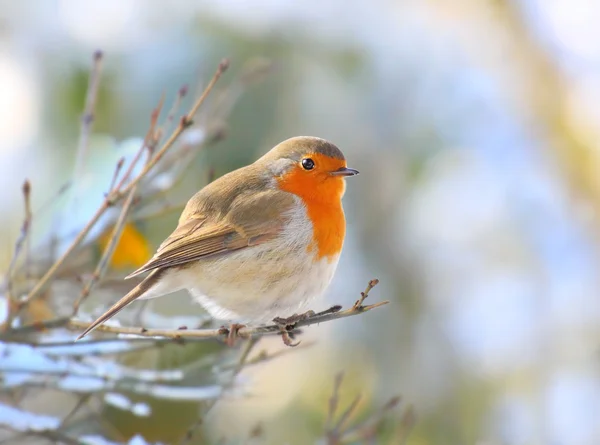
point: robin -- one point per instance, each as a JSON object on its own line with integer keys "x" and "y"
{"x": 258, "y": 243}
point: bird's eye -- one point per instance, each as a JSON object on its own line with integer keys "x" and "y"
{"x": 308, "y": 164}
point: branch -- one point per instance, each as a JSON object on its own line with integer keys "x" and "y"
{"x": 185, "y": 122}
{"x": 366, "y": 430}
{"x": 334, "y": 313}
{"x": 122, "y": 190}
{"x": 108, "y": 252}
{"x": 23, "y": 240}
{"x": 87, "y": 120}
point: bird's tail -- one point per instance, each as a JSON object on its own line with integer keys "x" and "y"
{"x": 132, "y": 295}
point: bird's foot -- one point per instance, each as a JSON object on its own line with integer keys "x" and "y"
{"x": 288, "y": 324}
{"x": 291, "y": 321}
{"x": 232, "y": 333}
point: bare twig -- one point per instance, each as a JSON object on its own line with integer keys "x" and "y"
{"x": 263, "y": 356}
{"x": 108, "y": 252}
{"x": 368, "y": 428}
{"x": 339, "y": 426}
{"x": 334, "y": 400}
{"x": 404, "y": 427}
{"x": 43, "y": 282}
{"x": 249, "y": 345}
{"x": 25, "y": 230}
{"x": 363, "y": 295}
{"x": 175, "y": 107}
{"x": 87, "y": 119}
{"x": 81, "y": 402}
{"x": 150, "y": 140}
{"x": 122, "y": 190}
{"x": 22, "y": 241}
{"x": 185, "y": 122}
{"x": 118, "y": 168}
{"x": 363, "y": 431}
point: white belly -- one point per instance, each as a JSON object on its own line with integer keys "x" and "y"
{"x": 256, "y": 284}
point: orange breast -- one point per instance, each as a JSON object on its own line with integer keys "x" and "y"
{"x": 322, "y": 195}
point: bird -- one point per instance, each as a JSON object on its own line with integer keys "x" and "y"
{"x": 258, "y": 243}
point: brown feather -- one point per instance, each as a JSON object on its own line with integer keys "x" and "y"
{"x": 251, "y": 220}
{"x": 132, "y": 295}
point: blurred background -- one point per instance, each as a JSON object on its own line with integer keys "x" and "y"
{"x": 474, "y": 126}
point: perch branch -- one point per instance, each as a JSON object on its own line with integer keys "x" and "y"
{"x": 245, "y": 332}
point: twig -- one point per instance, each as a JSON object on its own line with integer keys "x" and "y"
{"x": 81, "y": 402}
{"x": 149, "y": 140}
{"x": 25, "y": 230}
{"x": 339, "y": 426}
{"x": 119, "y": 192}
{"x": 51, "y": 201}
{"x": 370, "y": 426}
{"x": 250, "y": 344}
{"x": 175, "y": 107}
{"x": 162, "y": 211}
{"x": 363, "y": 295}
{"x": 245, "y": 332}
{"x": 23, "y": 240}
{"x": 87, "y": 120}
{"x": 185, "y": 122}
{"x": 43, "y": 282}
{"x": 361, "y": 431}
{"x": 35, "y": 327}
{"x": 118, "y": 168}
{"x": 263, "y": 356}
{"x": 108, "y": 252}
{"x": 334, "y": 400}
{"x": 404, "y": 427}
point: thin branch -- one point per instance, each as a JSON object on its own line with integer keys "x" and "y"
{"x": 108, "y": 252}
{"x": 175, "y": 107}
{"x": 250, "y": 344}
{"x": 25, "y": 230}
{"x": 81, "y": 402}
{"x": 118, "y": 168}
{"x": 149, "y": 141}
{"x": 245, "y": 332}
{"x": 339, "y": 426}
{"x": 334, "y": 400}
{"x": 364, "y": 431}
{"x": 363, "y": 295}
{"x": 122, "y": 190}
{"x": 43, "y": 282}
{"x": 185, "y": 122}
{"x": 404, "y": 426}
{"x": 370, "y": 426}
{"x": 263, "y": 356}
{"x": 23, "y": 240}
{"x": 88, "y": 117}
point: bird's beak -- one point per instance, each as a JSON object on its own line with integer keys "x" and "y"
{"x": 344, "y": 171}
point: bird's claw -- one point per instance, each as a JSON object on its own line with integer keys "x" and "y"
{"x": 232, "y": 333}
{"x": 291, "y": 321}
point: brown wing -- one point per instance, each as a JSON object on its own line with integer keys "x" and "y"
{"x": 250, "y": 221}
